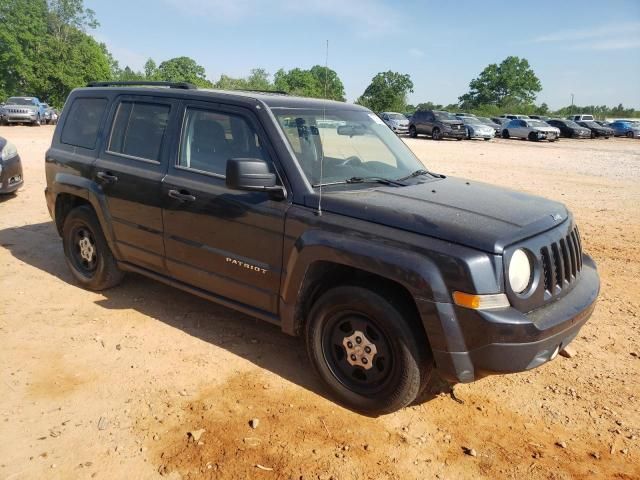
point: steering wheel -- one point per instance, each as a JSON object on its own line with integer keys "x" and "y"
{"x": 352, "y": 160}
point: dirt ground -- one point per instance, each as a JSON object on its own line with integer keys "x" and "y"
{"x": 108, "y": 385}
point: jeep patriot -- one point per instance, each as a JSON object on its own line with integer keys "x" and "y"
{"x": 313, "y": 215}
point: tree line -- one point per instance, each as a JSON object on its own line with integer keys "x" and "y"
{"x": 46, "y": 51}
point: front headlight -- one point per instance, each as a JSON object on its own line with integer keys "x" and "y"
{"x": 519, "y": 271}
{"x": 9, "y": 151}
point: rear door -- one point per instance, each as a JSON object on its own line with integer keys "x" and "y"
{"x": 227, "y": 242}
{"x": 429, "y": 120}
{"x": 130, "y": 169}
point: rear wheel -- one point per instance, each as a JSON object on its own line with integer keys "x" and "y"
{"x": 435, "y": 134}
{"x": 365, "y": 350}
{"x": 413, "y": 133}
{"x": 87, "y": 252}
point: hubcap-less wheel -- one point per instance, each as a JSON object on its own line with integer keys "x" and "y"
{"x": 435, "y": 134}
{"x": 357, "y": 353}
{"x": 413, "y": 132}
{"x": 84, "y": 252}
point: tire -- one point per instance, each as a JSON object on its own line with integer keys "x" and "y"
{"x": 97, "y": 269}
{"x": 533, "y": 137}
{"x": 629, "y": 134}
{"x": 413, "y": 133}
{"x": 37, "y": 122}
{"x": 399, "y": 366}
{"x": 435, "y": 134}
{"x": 487, "y": 139}
{"x": 505, "y": 133}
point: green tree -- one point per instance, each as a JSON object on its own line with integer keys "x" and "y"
{"x": 150, "y": 70}
{"x": 318, "y": 82}
{"x": 387, "y": 92}
{"x": 512, "y": 82}
{"x": 429, "y": 106}
{"x": 183, "y": 69}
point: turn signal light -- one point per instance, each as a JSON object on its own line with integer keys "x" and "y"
{"x": 480, "y": 302}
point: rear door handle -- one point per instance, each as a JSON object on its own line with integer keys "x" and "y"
{"x": 182, "y": 196}
{"x": 107, "y": 177}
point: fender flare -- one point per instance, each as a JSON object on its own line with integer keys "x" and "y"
{"x": 88, "y": 190}
{"x": 418, "y": 274}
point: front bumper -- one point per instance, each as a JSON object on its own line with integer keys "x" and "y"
{"x": 11, "y": 178}
{"x": 21, "y": 117}
{"x": 506, "y": 340}
{"x": 401, "y": 129}
{"x": 462, "y": 133}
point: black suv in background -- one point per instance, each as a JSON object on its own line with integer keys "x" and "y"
{"x": 314, "y": 216}
{"x": 569, "y": 128}
{"x": 437, "y": 125}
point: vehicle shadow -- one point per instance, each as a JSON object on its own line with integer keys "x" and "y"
{"x": 254, "y": 340}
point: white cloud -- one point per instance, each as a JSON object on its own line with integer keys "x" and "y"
{"x": 416, "y": 52}
{"x": 604, "y": 37}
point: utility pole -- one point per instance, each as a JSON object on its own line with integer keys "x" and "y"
{"x": 572, "y": 104}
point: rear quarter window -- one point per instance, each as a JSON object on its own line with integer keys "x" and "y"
{"x": 83, "y": 122}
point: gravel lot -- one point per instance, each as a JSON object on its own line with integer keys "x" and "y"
{"x": 108, "y": 385}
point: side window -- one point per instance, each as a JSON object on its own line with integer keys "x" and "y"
{"x": 429, "y": 117}
{"x": 138, "y": 129}
{"x": 211, "y": 138}
{"x": 82, "y": 122}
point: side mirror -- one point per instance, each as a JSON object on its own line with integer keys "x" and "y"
{"x": 251, "y": 174}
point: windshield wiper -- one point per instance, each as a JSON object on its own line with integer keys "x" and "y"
{"x": 382, "y": 180}
{"x": 419, "y": 173}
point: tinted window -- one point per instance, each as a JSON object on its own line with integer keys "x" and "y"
{"x": 138, "y": 129}
{"x": 82, "y": 122}
{"x": 210, "y": 138}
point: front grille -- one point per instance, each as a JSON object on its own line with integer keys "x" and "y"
{"x": 561, "y": 262}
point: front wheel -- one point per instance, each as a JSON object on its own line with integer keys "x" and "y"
{"x": 629, "y": 134}
{"x": 505, "y": 133}
{"x": 364, "y": 349}
{"x": 435, "y": 134}
{"x": 87, "y": 252}
{"x": 413, "y": 133}
{"x": 37, "y": 122}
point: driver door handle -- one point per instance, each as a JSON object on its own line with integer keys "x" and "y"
{"x": 107, "y": 177}
{"x": 182, "y": 196}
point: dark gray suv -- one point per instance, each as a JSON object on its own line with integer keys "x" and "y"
{"x": 437, "y": 124}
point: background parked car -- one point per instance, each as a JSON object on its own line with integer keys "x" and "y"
{"x": 437, "y": 124}
{"x": 569, "y": 128}
{"x": 24, "y": 110}
{"x": 625, "y": 128}
{"x": 396, "y": 121}
{"x": 499, "y": 120}
{"x": 511, "y": 116}
{"x": 533, "y": 130}
{"x": 596, "y": 129}
{"x": 544, "y": 118}
{"x": 10, "y": 167}
{"x": 477, "y": 129}
{"x": 50, "y": 114}
{"x": 581, "y": 117}
{"x": 497, "y": 126}
{"x": 3, "y": 114}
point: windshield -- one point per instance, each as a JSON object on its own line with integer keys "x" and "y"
{"x": 471, "y": 121}
{"x": 537, "y": 123}
{"x": 20, "y": 101}
{"x": 397, "y": 116}
{"x": 445, "y": 116}
{"x": 350, "y": 143}
{"x": 571, "y": 124}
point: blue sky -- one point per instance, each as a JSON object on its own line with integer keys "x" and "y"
{"x": 588, "y": 48}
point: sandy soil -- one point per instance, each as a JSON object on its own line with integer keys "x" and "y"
{"x": 109, "y": 385}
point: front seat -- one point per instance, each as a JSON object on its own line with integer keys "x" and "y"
{"x": 209, "y": 147}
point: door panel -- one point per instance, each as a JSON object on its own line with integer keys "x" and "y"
{"x": 227, "y": 242}
{"x": 132, "y": 184}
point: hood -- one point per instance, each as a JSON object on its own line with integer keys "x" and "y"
{"x": 451, "y": 122}
{"x": 546, "y": 129}
{"x": 400, "y": 122}
{"x": 469, "y": 213}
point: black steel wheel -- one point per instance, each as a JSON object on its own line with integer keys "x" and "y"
{"x": 435, "y": 134}
{"x": 366, "y": 350}
{"x": 87, "y": 252}
{"x": 413, "y": 133}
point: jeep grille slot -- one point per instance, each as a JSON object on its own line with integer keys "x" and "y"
{"x": 561, "y": 262}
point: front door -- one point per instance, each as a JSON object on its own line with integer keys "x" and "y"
{"x": 130, "y": 169}
{"x": 227, "y": 242}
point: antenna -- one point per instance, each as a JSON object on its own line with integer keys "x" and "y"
{"x": 324, "y": 111}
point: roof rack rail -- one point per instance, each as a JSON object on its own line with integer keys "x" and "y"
{"x": 142, "y": 83}
{"x": 275, "y": 92}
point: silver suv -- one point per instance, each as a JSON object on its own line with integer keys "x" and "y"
{"x": 24, "y": 110}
